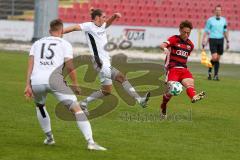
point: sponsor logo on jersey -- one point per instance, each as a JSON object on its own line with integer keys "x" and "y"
{"x": 182, "y": 53}
{"x": 101, "y": 33}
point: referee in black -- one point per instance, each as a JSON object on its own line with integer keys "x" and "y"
{"x": 215, "y": 30}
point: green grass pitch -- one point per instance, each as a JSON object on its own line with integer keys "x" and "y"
{"x": 208, "y": 130}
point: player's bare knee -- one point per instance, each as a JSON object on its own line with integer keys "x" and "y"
{"x": 107, "y": 91}
{"x": 187, "y": 82}
{"x": 73, "y": 106}
{"x": 121, "y": 78}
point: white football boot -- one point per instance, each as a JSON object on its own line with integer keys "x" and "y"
{"x": 144, "y": 100}
{"x": 198, "y": 97}
{"x": 95, "y": 146}
{"x": 48, "y": 141}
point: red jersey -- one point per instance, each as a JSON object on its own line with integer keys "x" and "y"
{"x": 179, "y": 52}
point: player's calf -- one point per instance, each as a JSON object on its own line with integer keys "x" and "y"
{"x": 163, "y": 114}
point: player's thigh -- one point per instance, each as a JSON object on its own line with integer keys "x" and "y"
{"x": 172, "y": 75}
{"x": 64, "y": 94}
{"x": 40, "y": 93}
{"x": 187, "y": 78}
{"x": 105, "y": 75}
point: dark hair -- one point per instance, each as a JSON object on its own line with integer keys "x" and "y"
{"x": 218, "y": 6}
{"x": 56, "y": 25}
{"x": 95, "y": 12}
{"x": 185, "y": 23}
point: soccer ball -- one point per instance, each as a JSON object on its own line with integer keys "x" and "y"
{"x": 174, "y": 88}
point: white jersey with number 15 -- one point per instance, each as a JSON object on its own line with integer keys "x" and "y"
{"x": 49, "y": 54}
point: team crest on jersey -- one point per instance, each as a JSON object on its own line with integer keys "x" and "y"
{"x": 189, "y": 47}
{"x": 101, "y": 33}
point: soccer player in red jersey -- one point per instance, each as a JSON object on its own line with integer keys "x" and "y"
{"x": 177, "y": 49}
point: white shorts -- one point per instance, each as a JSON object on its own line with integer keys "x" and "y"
{"x": 64, "y": 94}
{"x": 107, "y": 73}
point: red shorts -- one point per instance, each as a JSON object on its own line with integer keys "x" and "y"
{"x": 178, "y": 74}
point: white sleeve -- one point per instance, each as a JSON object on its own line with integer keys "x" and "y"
{"x": 32, "y": 50}
{"x": 68, "y": 50}
{"x": 85, "y": 26}
{"x": 104, "y": 25}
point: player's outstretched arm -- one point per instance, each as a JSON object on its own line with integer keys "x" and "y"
{"x": 72, "y": 29}
{"x": 113, "y": 18}
{"x": 72, "y": 74}
{"x": 163, "y": 47}
{"x": 28, "y": 89}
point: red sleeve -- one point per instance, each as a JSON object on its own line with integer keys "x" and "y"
{"x": 171, "y": 41}
{"x": 192, "y": 46}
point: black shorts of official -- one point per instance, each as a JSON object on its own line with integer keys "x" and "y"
{"x": 216, "y": 45}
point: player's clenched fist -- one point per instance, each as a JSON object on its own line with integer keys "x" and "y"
{"x": 117, "y": 15}
{"x": 28, "y": 92}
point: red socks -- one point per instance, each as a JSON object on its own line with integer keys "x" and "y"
{"x": 190, "y": 92}
{"x": 166, "y": 98}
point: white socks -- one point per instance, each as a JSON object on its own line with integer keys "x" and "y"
{"x": 93, "y": 96}
{"x": 84, "y": 125}
{"x": 131, "y": 91}
{"x": 43, "y": 119}
{"x": 82, "y": 122}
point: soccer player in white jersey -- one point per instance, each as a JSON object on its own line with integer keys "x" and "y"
{"x": 95, "y": 32}
{"x": 46, "y": 60}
